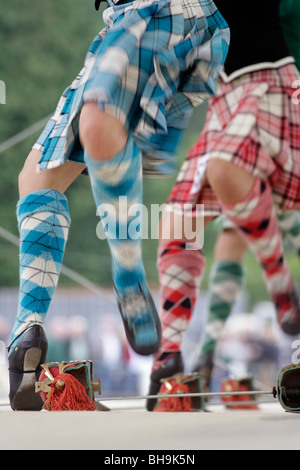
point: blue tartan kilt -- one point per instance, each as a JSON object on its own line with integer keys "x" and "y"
{"x": 151, "y": 64}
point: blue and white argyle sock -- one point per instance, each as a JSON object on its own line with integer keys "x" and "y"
{"x": 44, "y": 221}
{"x": 117, "y": 190}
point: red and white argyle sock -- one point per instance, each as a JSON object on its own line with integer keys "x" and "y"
{"x": 256, "y": 218}
{"x": 180, "y": 272}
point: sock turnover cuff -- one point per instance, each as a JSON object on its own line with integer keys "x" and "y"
{"x": 43, "y": 201}
{"x": 233, "y": 267}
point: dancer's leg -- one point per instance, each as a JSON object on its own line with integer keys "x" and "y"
{"x": 180, "y": 265}
{"x": 289, "y": 224}
{"x": 247, "y": 202}
{"x": 114, "y": 164}
{"x": 44, "y": 220}
{"x": 225, "y": 283}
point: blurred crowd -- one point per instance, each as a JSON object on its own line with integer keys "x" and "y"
{"x": 249, "y": 347}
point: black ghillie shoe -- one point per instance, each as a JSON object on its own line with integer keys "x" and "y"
{"x": 24, "y": 364}
{"x": 288, "y": 312}
{"x": 141, "y": 321}
{"x": 170, "y": 364}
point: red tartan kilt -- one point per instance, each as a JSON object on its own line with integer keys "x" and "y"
{"x": 253, "y": 122}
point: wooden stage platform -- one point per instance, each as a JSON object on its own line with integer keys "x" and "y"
{"x": 270, "y": 428}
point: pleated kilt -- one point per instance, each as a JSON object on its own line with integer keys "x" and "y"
{"x": 253, "y": 122}
{"x": 150, "y": 65}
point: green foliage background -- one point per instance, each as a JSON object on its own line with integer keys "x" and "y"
{"x": 43, "y": 45}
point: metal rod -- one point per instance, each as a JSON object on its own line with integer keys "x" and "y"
{"x": 16, "y": 139}
{"x": 192, "y": 395}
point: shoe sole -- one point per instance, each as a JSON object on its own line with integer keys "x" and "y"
{"x": 147, "y": 349}
{"x": 22, "y": 393}
{"x": 26, "y": 398}
{"x": 290, "y": 329}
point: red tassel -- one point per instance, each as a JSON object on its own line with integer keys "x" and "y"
{"x": 68, "y": 394}
{"x": 173, "y": 404}
{"x": 229, "y": 385}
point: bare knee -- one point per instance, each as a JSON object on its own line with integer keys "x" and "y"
{"x": 102, "y": 135}
{"x": 218, "y": 173}
{"x": 230, "y": 183}
{"x": 91, "y": 124}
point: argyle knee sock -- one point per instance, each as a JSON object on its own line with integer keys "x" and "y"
{"x": 225, "y": 283}
{"x": 44, "y": 221}
{"x": 256, "y": 218}
{"x": 117, "y": 187}
{"x": 180, "y": 273}
{"x": 289, "y": 225}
